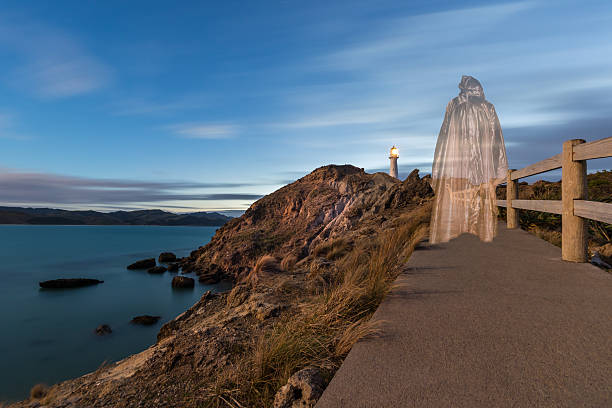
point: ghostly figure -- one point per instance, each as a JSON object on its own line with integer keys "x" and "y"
{"x": 470, "y": 161}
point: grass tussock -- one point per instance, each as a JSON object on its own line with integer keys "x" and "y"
{"x": 552, "y": 236}
{"x": 330, "y": 321}
{"x": 264, "y": 265}
{"x": 288, "y": 262}
{"x": 39, "y": 391}
{"x": 333, "y": 249}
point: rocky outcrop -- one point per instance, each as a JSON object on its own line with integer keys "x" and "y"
{"x": 294, "y": 219}
{"x": 303, "y": 390}
{"x": 68, "y": 283}
{"x": 173, "y": 267}
{"x": 103, "y": 330}
{"x": 212, "y": 275}
{"x": 143, "y": 264}
{"x": 181, "y": 282}
{"x": 157, "y": 269}
{"x": 166, "y": 257}
{"x": 145, "y": 320}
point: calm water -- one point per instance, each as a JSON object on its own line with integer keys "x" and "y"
{"x": 47, "y": 336}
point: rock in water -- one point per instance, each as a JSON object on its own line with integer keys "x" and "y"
{"x": 145, "y": 320}
{"x": 182, "y": 282}
{"x": 68, "y": 283}
{"x": 303, "y": 389}
{"x": 173, "y": 267}
{"x": 143, "y": 264}
{"x": 103, "y": 330}
{"x": 157, "y": 269}
{"x": 167, "y": 257}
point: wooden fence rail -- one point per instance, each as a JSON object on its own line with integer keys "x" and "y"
{"x": 573, "y": 206}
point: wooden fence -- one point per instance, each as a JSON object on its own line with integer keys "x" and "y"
{"x": 573, "y": 206}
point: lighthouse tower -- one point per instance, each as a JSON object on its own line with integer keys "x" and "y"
{"x": 393, "y": 156}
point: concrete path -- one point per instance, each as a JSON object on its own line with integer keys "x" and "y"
{"x": 504, "y": 324}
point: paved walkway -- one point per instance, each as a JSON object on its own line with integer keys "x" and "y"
{"x": 504, "y": 324}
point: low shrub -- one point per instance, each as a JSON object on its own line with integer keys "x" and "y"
{"x": 39, "y": 391}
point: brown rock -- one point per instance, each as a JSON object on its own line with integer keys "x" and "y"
{"x": 68, "y": 283}
{"x": 238, "y": 295}
{"x": 103, "y": 330}
{"x": 212, "y": 275}
{"x": 166, "y": 257}
{"x": 265, "y": 311}
{"x": 173, "y": 267}
{"x": 143, "y": 264}
{"x": 181, "y": 282}
{"x": 145, "y": 320}
{"x": 303, "y": 390}
{"x": 157, "y": 269}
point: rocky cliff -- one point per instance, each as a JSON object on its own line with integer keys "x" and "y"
{"x": 310, "y": 263}
{"x": 291, "y": 221}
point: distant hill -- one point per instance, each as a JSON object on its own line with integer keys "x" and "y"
{"x": 50, "y": 216}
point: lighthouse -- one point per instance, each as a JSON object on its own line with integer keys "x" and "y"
{"x": 393, "y": 156}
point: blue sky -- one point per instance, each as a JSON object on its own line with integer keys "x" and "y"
{"x": 209, "y": 105}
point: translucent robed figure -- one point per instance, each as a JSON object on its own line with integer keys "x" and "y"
{"x": 470, "y": 161}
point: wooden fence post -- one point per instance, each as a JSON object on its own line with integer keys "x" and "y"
{"x": 573, "y": 187}
{"x": 511, "y": 194}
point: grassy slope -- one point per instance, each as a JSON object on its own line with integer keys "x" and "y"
{"x": 333, "y": 316}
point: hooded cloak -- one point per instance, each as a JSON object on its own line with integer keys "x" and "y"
{"x": 469, "y": 162}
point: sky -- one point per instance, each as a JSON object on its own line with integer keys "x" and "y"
{"x": 197, "y": 105}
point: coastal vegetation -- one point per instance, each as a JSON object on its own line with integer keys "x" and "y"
{"x": 548, "y": 226}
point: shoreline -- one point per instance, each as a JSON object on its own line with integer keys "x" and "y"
{"x": 46, "y": 326}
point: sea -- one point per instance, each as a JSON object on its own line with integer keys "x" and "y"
{"x": 47, "y": 336}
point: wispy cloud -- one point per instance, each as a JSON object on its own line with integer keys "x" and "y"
{"x": 361, "y": 116}
{"x": 401, "y": 36}
{"x": 33, "y": 188}
{"x": 132, "y": 106}
{"x": 50, "y": 63}
{"x": 204, "y": 130}
{"x": 393, "y": 69}
{"x": 7, "y": 128}
{"x": 389, "y": 80}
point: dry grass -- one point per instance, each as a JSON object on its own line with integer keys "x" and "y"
{"x": 38, "y": 391}
{"x": 265, "y": 265}
{"x": 554, "y": 237}
{"x": 330, "y": 322}
{"x": 288, "y": 262}
{"x": 332, "y": 249}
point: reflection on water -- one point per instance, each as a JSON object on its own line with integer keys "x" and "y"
{"x": 48, "y": 335}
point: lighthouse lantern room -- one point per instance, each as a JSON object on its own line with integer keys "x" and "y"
{"x": 393, "y": 156}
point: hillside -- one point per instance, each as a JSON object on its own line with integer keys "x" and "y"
{"x": 310, "y": 264}
{"x": 290, "y": 222}
{"x": 49, "y": 216}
